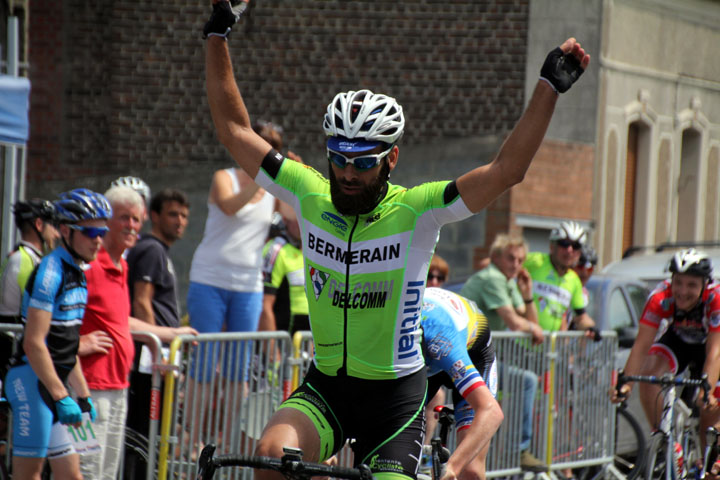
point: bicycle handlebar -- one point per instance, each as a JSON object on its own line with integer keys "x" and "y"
{"x": 290, "y": 465}
{"x": 667, "y": 380}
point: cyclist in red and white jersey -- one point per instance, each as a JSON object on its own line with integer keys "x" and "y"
{"x": 681, "y": 314}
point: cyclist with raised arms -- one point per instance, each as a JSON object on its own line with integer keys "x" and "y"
{"x": 460, "y": 355}
{"x": 679, "y": 328}
{"x": 367, "y": 246}
{"x": 46, "y": 362}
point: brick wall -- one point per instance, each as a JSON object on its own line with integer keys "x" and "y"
{"x": 118, "y": 89}
{"x": 118, "y": 85}
{"x": 559, "y": 182}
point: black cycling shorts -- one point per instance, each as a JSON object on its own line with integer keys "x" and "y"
{"x": 385, "y": 418}
{"x": 680, "y": 354}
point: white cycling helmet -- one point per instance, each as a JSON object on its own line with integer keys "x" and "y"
{"x": 569, "y": 231}
{"x": 366, "y": 116}
{"x": 136, "y": 184}
{"x": 691, "y": 262}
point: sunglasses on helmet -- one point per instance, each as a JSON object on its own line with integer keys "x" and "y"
{"x": 91, "y": 232}
{"x": 361, "y": 163}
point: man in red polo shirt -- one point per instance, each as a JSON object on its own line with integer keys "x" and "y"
{"x": 106, "y": 347}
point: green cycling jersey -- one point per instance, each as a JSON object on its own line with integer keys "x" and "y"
{"x": 364, "y": 274}
{"x": 554, "y": 294}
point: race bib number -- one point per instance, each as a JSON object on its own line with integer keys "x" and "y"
{"x": 83, "y": 437}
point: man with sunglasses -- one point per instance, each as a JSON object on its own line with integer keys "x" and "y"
{"x": 367, "y": 246}
{"x": 556, "y": 286}
{"x": 46, "y": 361}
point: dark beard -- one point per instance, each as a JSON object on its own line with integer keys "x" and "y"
{"x": 363, "y": 202}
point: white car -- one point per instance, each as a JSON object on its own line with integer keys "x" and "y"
{"x": 652, "y": 268}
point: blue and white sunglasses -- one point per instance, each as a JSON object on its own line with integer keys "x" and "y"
{"x": 361, "y": 163}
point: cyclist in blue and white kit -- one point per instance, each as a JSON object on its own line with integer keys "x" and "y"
{"x": 46, "y": 362}
{"x": 367, "y": 245}
{"x": 459, "y": 355}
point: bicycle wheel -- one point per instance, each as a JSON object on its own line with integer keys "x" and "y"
{"x": 656, "y": 459}
{"x": 136, "y": 456}
{"x": 629, "y": 445}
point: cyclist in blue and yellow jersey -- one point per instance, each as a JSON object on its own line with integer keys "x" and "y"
{"x": 367, "y": 246}
{"x": 460, "y": 355}
{"x": 46, "y": 363}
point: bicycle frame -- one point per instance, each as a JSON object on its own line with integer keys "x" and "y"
{"x": 674, "y": 414}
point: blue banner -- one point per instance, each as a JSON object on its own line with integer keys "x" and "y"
{"x": 14, "y": 106}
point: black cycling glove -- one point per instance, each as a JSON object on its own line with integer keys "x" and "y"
{"x": 221, "y": 21}
{"x": 560, "y": 70}
{"x": 595, "y": 333}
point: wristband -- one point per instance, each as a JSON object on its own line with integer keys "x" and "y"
{"x": 530, "y": 300}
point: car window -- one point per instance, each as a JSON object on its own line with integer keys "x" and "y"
{"x": 638, "y": 298}
{"x": 619, "y": 312}
{"x": 593, "y": 306}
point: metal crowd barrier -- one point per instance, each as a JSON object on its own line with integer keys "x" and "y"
{"x": 222, "y": 390}
{"x": 574, "y": 421}
{"x": 136, "y": 440}
{"x": 247, "y": 375}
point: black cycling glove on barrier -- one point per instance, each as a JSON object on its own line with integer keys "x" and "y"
{"x": 221, "y": 20}
{"x": 596, "y": 333}
{"x": 560, "y": 70}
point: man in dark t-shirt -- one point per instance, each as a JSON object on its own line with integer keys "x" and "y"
{"x": 153, "y": 293}
{"x": 150, "y": 271}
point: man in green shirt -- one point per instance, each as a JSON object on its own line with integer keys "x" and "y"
{"x": 556, "y": 287}
{"x": 503, "y": 291}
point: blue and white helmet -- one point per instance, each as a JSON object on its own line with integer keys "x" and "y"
{"x": 366, "y": 116}
{"x": 82, "y": 204}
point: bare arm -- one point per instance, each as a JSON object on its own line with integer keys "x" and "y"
{"x": 473, "y": 440}
{"x": 518, "y": 323}
{"x": 229, "y": 113}
{"x": 267, "y": 316}
{"x": 76, "y": 379}
{"x": 165, "y": 334}
{"x": 142, "y": 301}
{"x": 712, "y": 362}
{"x": 643, "y": 342}
{"x": 221, "y": 193}
{"x": 38, "y": 355}
{"x": 584, "y": 321}
{"x": 482, "y": 185}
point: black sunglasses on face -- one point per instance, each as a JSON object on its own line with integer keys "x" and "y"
{"x": 432, "y": 276}
{"x": 565, "y": 243}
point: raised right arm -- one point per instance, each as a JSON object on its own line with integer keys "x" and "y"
{"x": 229, "y": 114}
